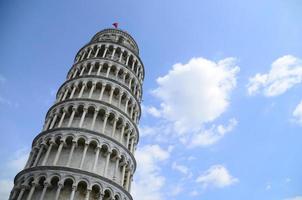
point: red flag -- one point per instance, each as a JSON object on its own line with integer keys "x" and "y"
{"x": 115, "y": 24}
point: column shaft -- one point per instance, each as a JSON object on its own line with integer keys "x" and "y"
{"x": 84, "y": 156}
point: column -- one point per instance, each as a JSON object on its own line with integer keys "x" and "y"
{"x": 108, "y": 71}
{"x": 121, "y": 56}
{"x": 120, "y": 99}
{"x": 83, "y": 117}
{"x": 53, "y": 121}
{"x": 131, "y": 111}
{"x": 105, "y": 122}
{"x": 135, "y": 116}
{"x": 92, "y": 89}
{"x": 133, "y": 63}
{"x": 131, "y": 179}
{"x": 21, "y": 193}
{"x": 75, "y": 73}
{"x": 128, "y": 138}
{"x": 123, "y": 174}
{"x": 137, "y": 69}
{"x": 122, "y": 132}
{"x": 101, "y": 197}
{"x": 114, "y": 126}
{"x": 39, "y": 155}
{"x": 116, "y": 168}
{"x": 82, "y": 90}
{"x": 73, "y": 91}
{"x": 117, "y": 71}
{"x": 58, "y": 152}
{"x": 135, "y": 88}
{"x": 132, "y": 144}
{"x": 93, "y": 119}
{"x": 83, "y": 69}
{"x": 111, "y": 94}
{"x": 114, "y": 50}
{"x": 60, "y": 185}
{"x": 106, "y": 49}
{"x": 62, "y": 118}
{"x": 130, "y": 83}
{"x": 46, "y": 184}
{"x": 102, "y": 91}
{"x": 89, "y": 53}
{"x": 107, "y": 163}
{"x": 71, "y": 117}
{"x": 97, "y": 51}
{"x": 128, "y": 180}
{"x": 82, "y": 57}
{"x": 32, "y": 190}
{"x": 73, "y": 189}
{"x": 124, "y": 77}
{"x": 47, "y": 153}
{"x": 13, "y": 193}
{"x": 84, "y": 155}
{"x": 91, "y": 68}
{"x": 128, "y": 56}
{"x": 126, "y": 106}
{"x": 87, "y": 194}
{"x": 95, "y": 163}
{"x": 74, "y": 143}
{"x": 99, "y": 69}
{"x": 65, "y": 94}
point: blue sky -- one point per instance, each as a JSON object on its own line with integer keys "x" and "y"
{"x": 222, "y": 114}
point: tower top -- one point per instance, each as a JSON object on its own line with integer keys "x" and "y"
{"x": 117, "y": 31}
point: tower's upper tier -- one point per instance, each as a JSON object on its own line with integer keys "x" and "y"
{"x": 118, "y": 36}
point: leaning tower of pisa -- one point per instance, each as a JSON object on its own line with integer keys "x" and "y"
{"x": 86, "y": 148}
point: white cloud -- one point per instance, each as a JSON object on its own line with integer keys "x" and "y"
{"x": 295, "y": 198}
{"x": 153, "y": 111}
{"x": 285, "y": 73}
{"x": 297, "y": 114}
{"x": 211, "y": 136}
{"x": 216, "y": 176}
{"x": 194, "y": 94}
{"x": 148, "y": 180}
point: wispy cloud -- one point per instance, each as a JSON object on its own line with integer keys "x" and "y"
{"x": 10, "y": 169}
{"x": 2, "y": 79}
{"x": 216, "y": 176}
{"x": 294, "y": 198}
{"x": 285, "y": 73}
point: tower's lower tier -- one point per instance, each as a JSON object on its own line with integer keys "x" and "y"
{"x": 62, "y": 183}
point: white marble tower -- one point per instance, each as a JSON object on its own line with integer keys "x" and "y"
{"x": 86, "y": 148}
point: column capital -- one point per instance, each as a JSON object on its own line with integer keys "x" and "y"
{"x": 107, "y": 113}
{"x": 109, "y": 151}
{"x": 85, "y": 109}
{"x": 60, "y": 184}
{"x": 74, "y": 187}
{"x": 46, "y": 184}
